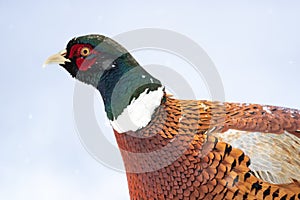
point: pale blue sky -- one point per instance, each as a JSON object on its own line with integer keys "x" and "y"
{"x": 255, "y": 46}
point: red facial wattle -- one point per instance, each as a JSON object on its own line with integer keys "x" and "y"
{"x": 82, "y": 62}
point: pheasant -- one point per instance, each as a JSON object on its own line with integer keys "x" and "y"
{"x": 187, "y": 149}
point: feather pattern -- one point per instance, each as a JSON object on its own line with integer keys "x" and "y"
{"x": 186, "y": 147}
{"x": 275, "y": 158}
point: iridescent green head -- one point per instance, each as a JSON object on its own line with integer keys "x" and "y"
{"x": 103, "y": 63}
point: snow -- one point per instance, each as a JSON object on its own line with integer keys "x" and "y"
{"x": 265, "y": 108}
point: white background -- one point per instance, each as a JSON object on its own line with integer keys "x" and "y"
{"x": 255, "y": 46}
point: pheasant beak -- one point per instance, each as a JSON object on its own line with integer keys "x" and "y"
{"x": 58, "y": 58}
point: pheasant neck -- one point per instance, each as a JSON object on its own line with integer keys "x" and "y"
{"x": 129, "y": 93}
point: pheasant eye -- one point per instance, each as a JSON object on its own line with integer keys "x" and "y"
{"x": 85, "y": 51}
